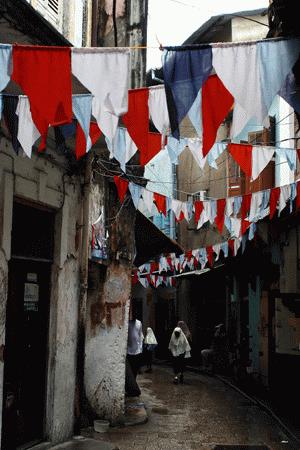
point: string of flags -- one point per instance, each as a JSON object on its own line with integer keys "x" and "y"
{"x": 163, "y": 272}
{"x": 203, "y": 83}
{"x": 235, "y": 213}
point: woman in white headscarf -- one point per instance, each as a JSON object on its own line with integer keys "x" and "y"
{"x": 150, "y": 343}
{"x": 180, "y": 349}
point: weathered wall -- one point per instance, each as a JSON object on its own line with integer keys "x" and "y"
{"x": 131, "y": 31}
{"x": 106, "y": 343}
{"x": 289, "y": 270}
{"x": 107, "y": 309}
{"x": 40, "y": 180}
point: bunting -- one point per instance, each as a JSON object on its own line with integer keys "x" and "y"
{"x": 44, "y": 75}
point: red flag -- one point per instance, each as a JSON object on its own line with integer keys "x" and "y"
{"x": 231, "y": 245}
{"x": 44, "y": 75}
{"x": 244, "y": 227}
{"x": 210, "y": 255}
{"x": 274, "y": 197}
{"x": 219, "y": 220}
{"x": 216, "y": 103}
{"x": 136, "y": 121}
{"x": 242, "y": 154}
{"x": 134, "y": 278}
{"x": 80, "y": 143}
{"x": 122, "y": 186}
{"x": 189, "y": 255}
{"x": 298, "y": 153}
{"x": 161, "y": 204}
{"x": 198, "y": 205}
{"x": 246, "y": 203}
{"x": 180, "y": 218}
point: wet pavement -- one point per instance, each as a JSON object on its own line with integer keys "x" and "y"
{"x": 203, "y": 413}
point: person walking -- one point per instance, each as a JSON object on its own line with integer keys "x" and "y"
{"x": 181, "y": 324}
{"x": 215, "y": 356}
{"x": 135, "y": 343}
{"x": 150, "y": 343}
{"x": 180, "y": 349}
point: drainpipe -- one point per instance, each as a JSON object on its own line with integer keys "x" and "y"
{"x": 84, "y": 261}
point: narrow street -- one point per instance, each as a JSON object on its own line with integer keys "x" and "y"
{"x": 200, "y": 414}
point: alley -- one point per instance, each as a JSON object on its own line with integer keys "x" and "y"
{"x": 200, "y": 414}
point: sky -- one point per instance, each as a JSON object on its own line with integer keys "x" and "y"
{"x": 170, "y": 22}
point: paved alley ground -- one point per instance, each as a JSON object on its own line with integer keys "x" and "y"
{"x": 200, "y": 414}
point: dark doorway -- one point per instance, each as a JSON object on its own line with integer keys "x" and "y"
{"x": 27, "y": 317}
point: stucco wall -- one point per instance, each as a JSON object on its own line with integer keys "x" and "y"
{"x": 106, "y": 343}
{"x": 40, "y": 180}
{"x": 107, "y": 309}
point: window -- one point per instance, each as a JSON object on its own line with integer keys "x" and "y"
{"x": 51, "y": 10}
{"x": 199, "y": 195}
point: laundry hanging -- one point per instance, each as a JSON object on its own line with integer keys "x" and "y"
{"x": 44, "y": 75}
{"x": 105, "y": 73}
{"x": 216, "y": 104}
{"x": 185, "y": 70}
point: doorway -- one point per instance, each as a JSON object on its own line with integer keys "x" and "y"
{"x": 27, "y": 317}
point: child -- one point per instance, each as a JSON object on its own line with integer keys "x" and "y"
{"x": 150, "y": 343}
{"x": 180, "y": 349}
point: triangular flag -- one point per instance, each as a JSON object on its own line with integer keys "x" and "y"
{"x": 246, "y": 204}
{"x": 219, "y": 219}
{"x": 261, "y": 156}
{"x": 161, "y": 204}
{"x": 216, "y": 103}
{"x": 122, "y": 186}
{"x": 242, "y": 154}
{"x": 274, "y": 197}
{"x": 80, "y": 144}
{"x": 198, "y": 206}
{"x": 209, "y": 251}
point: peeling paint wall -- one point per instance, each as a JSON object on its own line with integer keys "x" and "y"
{"x": 107, "y": 314}
{"x": 106, "y": 343}
{"x": 40, "y": 180}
